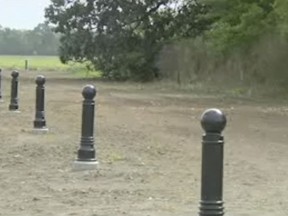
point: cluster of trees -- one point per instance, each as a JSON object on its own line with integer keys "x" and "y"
{"x": 39, "y": 41}
{"x": 123, "y": 38}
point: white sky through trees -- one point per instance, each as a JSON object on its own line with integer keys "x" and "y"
{"x": 25, "y": 14}
{"x": 22, "y": 14}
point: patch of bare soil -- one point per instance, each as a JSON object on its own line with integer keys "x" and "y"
{"x": 149, "y": 148}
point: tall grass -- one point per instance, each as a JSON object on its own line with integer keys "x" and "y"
{"x": 261, "y": 70}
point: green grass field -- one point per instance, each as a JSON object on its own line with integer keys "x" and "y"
{"x": 45, "y": 63}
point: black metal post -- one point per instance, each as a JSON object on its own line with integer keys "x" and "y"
{"x": 213, "y": 122}
{"x": 40, "y": 122}
{"x": 1, "y": 100}
{"x": 14, "y": 92}
{"x": 86, "y": 151}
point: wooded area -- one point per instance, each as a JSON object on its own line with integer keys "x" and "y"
{"x": 184, "y": 40}
{"x": 39, "y": 41}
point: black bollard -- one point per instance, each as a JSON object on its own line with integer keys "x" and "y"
{"x": 1, "y": 99}
{"x": 40, "y": 122}
{"x": 14, "y": 92}
{"x": 86, "y": 154}
{"x": 213, "y": 122}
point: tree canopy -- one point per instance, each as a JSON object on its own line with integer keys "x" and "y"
{"x": 123, "y": 37}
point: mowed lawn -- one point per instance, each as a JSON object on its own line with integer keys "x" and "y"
{"x": 44, "y": 63}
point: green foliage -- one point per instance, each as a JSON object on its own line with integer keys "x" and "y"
{"x": 239, "y": 23}
{"x": 188, "y": 40}
{"x": 39, "y": 41}
{"x": 280, "y": 10}
{"x": 122, "y": 37}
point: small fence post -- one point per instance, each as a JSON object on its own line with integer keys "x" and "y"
{"x": 26, "y": 64}
{"x": 40, "y": 122}
{"x": 86, "y": 154}
{"x": 14, "y": 106}
{"x": 213, "y": 122}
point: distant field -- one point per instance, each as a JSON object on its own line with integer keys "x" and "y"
{"x": 44, "y": 63}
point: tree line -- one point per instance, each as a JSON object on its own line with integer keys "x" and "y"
{"x": 125, "y": 39}
{"x": 39, "y": 41}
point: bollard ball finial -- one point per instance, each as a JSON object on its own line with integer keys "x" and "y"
{"x": 213, "y": 121}
{"x": 89, "y": 92}
{"x": 15, "y": 74}
{"x": 40, "y": 80}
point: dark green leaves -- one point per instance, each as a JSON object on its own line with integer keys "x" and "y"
{"x": 122, "y": 37}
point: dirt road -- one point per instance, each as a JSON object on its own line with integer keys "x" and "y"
{"x": 148, "y": 144}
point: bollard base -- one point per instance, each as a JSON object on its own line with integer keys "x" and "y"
{"x": 14, "y": 111}
{"x": 40, "y": 130}
{"x": 84, "y": 165}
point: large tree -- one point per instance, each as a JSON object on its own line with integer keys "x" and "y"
{"x": 122, "y": 37}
